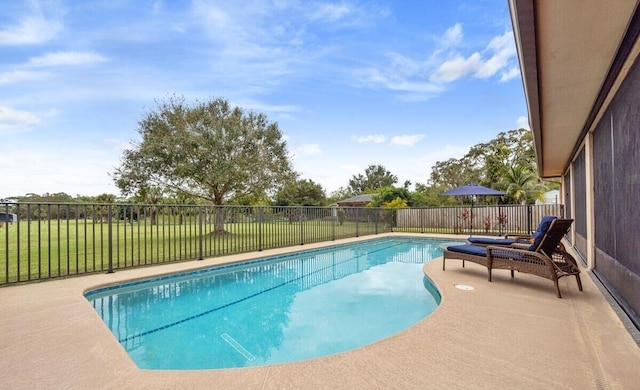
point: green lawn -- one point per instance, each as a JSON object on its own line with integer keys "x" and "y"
{"x": 45, "y": 249}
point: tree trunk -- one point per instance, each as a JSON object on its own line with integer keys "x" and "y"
{"x": 218, "y": 229}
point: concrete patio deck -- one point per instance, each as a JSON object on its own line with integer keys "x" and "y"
{"x": 509, "y": 333}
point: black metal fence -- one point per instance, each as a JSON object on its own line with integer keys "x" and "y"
{"x": 41, "y": 241}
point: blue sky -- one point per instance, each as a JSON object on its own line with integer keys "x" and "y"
{"x": 351, "y": 83}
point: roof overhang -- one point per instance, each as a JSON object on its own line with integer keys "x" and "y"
{"x": 573, "y": 56}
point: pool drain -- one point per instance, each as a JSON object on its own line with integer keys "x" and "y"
{"x": 464, "y": 287}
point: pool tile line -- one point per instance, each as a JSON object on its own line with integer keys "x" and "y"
{"x": 92, "y": 294}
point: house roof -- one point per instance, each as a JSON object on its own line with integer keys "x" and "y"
{"x": 363, "y": 198}
{"x": 573, "y": 56}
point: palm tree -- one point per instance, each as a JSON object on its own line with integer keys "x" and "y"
{"x": 522, "y": 183}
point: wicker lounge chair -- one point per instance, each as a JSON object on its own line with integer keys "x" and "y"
{"x": 546, "y": 257}
{"x": 542, "y": 228}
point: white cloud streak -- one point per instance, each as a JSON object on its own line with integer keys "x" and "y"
{"x": 453, "y": 36}
{"x": 407, "y": 140}
{"x": 18, "y": 76}
{"x": 32, "y": 29}
{"x": 498, "y": 57}
{"x": 422, "y": 79}
{"x": 375, "y": 138}
{"x": 66, "y": 58}
{"x": 331, "y": 12}
{"x": 12, "y": 120}
{"x": 310, "y": 150}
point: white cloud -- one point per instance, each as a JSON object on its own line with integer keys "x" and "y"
{"x": 452, "y": 36}
{"x": 330, "y": 12}
{"x": 406, "y": 140}
{"x": 375, "y": 138}
{"x": 66, "y": 58}
{"x": 12, "y": 120}
{"x": 503, "y": 49}
{"x": 523, "y": 122}
{"x": 339, "y": 15}
{"x": 400, "y": 80}
{"x": 310, "y": 150}
{"x": 21, "y": 75}
{"x": 457, "y": 67}
{"x": 510, "y": 73}
{"x": 500, "y": 53}
{"x": 33, "y": 29}
{"x": 419, "y": 80}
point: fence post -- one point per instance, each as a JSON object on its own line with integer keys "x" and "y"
{"x": 529, "y": 214}
{"x": 357, "y": 220}
{"x": 110, "y": 238}
{"x": 301, "y": 225}
{"x": 375, "y": 221}
{"x": 200, "y": 237}
{"x": 260, "y": 216}
{"x": 394, "y": 218}
{"x": 333, "y": 224}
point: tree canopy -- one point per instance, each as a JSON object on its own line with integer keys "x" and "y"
{"x": 388, "y": 195}
{"x": 301, "y": 193}
{"x": 206, "y": 150}
{"x": 486, "y": 163}
{"x": 505, "y": 163}
{"x": 374, "y": 178}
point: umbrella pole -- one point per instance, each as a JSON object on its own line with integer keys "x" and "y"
{"x": 471, "y": 224}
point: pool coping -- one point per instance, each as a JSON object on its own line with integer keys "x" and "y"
{"x": 505, "y": 333}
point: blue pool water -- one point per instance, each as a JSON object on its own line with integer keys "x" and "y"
{"x": 286, "y": 308}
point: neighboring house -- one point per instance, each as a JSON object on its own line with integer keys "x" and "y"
{"x": 356, "y": 201}
{"x": 580, "y": 67}
{"x": 550, "y": 197}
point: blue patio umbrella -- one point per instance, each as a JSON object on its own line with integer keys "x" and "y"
{"x": 472, "y": 190}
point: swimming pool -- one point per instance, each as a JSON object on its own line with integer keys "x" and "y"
{"x": 286, "y": 308}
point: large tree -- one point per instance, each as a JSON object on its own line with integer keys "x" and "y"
{"x": 301, "y": 193}
{"x": 374, "y": 178}
{"x": 340, "y": 194}
{"x": 387, "y": 195}
{"x": 206, "y": 150}
{"x": 486, "y": 163}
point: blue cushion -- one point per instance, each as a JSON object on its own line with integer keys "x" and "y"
{"x": 545, "y": 222}
{"x": 543, "y": 226}
{"x": 468, "y": 249}
{"x": 490, "y": 241}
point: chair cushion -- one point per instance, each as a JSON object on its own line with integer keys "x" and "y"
{"x": 545, "y": 222}
{"x": 490, "y": 241}
{"x": 468, "y": 249}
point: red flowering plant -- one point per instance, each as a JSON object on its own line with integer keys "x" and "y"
{"x": 464, "y": 216}
{"x": 487, "y": 223}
